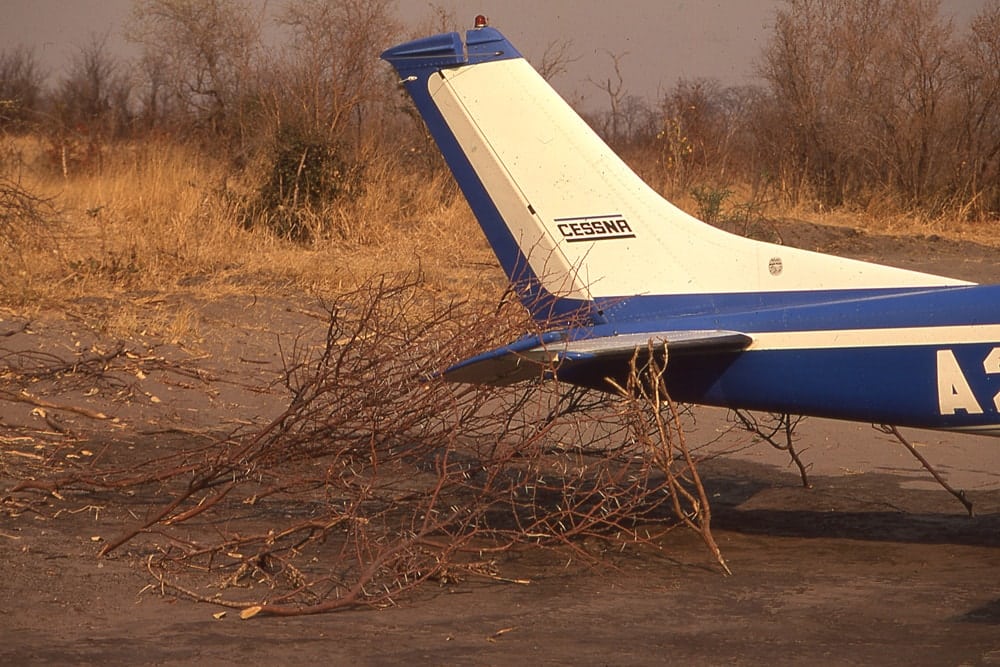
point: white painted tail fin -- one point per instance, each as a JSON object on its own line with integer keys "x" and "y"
{"x": 577, "y": 222}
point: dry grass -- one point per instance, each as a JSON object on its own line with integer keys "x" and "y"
{"x": 881, "y": 215}
{"x": 902, "y": 224}
{"x": 160, "y": 217}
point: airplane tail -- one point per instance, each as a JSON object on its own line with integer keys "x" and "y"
{"x": 574, "y": 228}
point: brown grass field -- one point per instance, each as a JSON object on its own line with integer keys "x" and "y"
{"x": 139, "y": 319}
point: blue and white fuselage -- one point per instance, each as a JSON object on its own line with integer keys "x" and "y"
{"x": 747, "y": 324}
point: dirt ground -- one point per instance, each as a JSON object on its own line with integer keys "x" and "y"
{"x": 875, "y": 564}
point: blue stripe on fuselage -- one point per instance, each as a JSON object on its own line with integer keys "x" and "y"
{"x": 895, "y": 383}
{"x": 804, "y": 310}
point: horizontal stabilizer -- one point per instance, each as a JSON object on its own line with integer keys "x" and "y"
{"x": 539, "y": 358}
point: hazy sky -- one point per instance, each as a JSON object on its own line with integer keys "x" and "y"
{"x": 660, "y": 40}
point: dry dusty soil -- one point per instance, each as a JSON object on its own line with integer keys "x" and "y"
{"x": 875, "y": 564}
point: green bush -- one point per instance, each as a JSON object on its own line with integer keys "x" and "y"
{"x": 306, "y": 174}
{"x": 710, "y": 202}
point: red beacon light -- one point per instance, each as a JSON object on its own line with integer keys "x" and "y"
{"x": 481, "y": 21}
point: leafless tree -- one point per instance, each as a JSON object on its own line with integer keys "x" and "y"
{"x": 612, "y": 123}
{"x": 93, "y": 97}
{"x": 204, "y": 52}
{"x": 556, "y": 59}
{"x": 877, "y": 100}
{"x": 979, "y": 143}
{"x": 329, "y": 110}
{"x": 91, "y": 106}
{"x": 908, "y": 106}
{"x": 330, "y": 80}
{"x": 21, "y": 88}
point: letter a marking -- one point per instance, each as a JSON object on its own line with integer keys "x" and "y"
{"x": 954, "y": 393}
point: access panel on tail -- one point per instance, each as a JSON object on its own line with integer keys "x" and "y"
{"x": 749, "y": 324}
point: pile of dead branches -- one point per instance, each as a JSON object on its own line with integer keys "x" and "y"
{"x": 378, "y": 476}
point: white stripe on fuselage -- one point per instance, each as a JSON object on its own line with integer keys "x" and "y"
{"x": 985, "y": 429}
{"x": 882, "y": 337}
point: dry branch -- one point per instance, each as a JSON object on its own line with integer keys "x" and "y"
{"x": 768, "y": 429}
{"x": 959, "y": 494}
{"x": 658, "y": 429}
{"x": 376, "y": 478}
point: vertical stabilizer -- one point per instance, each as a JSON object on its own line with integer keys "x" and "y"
{"x": 571, "y": 224}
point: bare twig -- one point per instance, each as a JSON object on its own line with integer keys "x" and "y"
{"x": 779, "y": 423}
{"x": 959, "y": 494}
{"x": 375, "y": 479}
